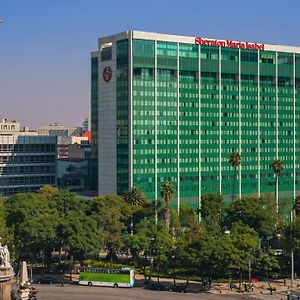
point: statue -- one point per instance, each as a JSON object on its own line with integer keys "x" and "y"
{"x": 6, "y": 256}
{"x": 1, "y": 256}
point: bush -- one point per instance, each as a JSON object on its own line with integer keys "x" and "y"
{"x": 101, "y": 264}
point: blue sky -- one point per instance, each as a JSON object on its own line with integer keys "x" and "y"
{"x": 45, "y": 44}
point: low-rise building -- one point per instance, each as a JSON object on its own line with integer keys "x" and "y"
{"x": 72, "y": 174}
{"x": 59, "y": 130}
{"x": 27, "y": 161}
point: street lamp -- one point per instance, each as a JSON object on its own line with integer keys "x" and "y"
{"x": 292, "y": 252}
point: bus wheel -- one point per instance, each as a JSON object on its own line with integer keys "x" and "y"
{"x": 115, "y": 285}
{"x": 89, "y": 283}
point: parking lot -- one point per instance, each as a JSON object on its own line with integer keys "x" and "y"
{"x": 75, "y": 292}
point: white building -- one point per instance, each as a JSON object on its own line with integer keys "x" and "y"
{"x": 27, "y": 161}
{"x": 59, "y": 130}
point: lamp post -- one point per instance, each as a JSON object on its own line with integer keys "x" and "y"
{"x": 174, "y": 261}
{"x": 292, "y": 253}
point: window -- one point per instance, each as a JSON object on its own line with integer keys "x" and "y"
{"x": 106, "y": 54}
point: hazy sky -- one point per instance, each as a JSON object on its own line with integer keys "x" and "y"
{"x": 45, "y": 45}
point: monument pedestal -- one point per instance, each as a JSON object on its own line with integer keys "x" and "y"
{"x": 6, "y": 276}
{"x": 24, "y": 293}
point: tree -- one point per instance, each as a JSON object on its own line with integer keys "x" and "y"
{"x": 238, "y": 248}
{"x": 5, "y": 234}
{"x": 150, "y": 242}
{"x": 48, "y": 190}
{"x": 110, "y": 212}
{"x": 200, "y": 252}
{"x": 37, "y": 236}
{"x": 277, "y": 166}
{"x": 80, "y": 234}
{"x": 257, "y": 213}
{"x": 167, "y": 191}
{"x": 267, "y": 262}
{"x": 40, "y": 222}
{"x": 136, "y": 198}
{"x": 235, "y": 160}
{"x": 296, "y": 205}
{"x": 212, "y": 212}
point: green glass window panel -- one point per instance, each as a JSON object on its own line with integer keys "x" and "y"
{"x": 122, "y": 53}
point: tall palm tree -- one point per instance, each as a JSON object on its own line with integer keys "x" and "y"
{"x": 136, "y": 198}
{"x": 235, "y": 160}
{"x": 277, "y": 166}
{"x": 167, "y": 191}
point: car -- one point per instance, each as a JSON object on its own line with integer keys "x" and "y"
{"x": 156, "y": 287}
{"x": 178, "y": 288}
{"x": 46, "y": 280}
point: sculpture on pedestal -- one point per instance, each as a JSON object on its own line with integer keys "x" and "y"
{"x": 4, "y": 256}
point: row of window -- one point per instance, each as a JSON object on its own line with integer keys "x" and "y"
{"x": 26, "y": 180}
{"x": 27, "y": 147}
{"x": 15, "y": 159}
{"x": 29, "y": 169}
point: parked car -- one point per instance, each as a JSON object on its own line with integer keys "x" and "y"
{"x": 46, "y": 280}
{"x": 178, "y": 288}
{"x": 156, "y": 287}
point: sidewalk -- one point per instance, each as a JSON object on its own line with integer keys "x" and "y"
{"x": 261, "y": 290}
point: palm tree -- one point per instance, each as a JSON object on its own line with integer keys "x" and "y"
{"x": 136, "y": 198}
{"x": 235, "y": 160}
{"x": 277, "y": 166}
{"x": 167, "y": 191}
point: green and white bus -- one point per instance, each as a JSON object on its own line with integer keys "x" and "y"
{"x": 107, "y": 277}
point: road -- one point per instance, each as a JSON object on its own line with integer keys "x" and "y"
{"x": 75, "y": 292}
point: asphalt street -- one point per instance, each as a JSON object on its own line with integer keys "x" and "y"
{"x": 75, "y": 292}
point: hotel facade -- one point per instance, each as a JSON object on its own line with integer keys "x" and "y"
{"x": 175, "y": 107}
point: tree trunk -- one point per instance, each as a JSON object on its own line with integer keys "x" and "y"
{"x": 167, "y": 218}
{"x": 233, "y": 186}
{"x": 155, "y": 216}
{"x": 131, "y": 225}
{"x": 240, "y": 279}
{"x": 174, "y": 278}
{"x": 276, "y": 194}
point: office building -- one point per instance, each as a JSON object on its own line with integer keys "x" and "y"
{"x": 174, "y": 107}
{"x": 27, "y": 161}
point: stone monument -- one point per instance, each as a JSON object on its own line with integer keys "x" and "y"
{"x": 24, "y": 290}
{"x": 6, "y": 273}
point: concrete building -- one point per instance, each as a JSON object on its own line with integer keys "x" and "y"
{"x": 174, "y": 107}
{"x": 27, "y": 161}
{"x": 86, "y": 125}
{"x": 73, "y": 147}
{"x": 59, "y": 130}
{"x": 72, "y": 173}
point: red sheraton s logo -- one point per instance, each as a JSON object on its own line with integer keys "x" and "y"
{"x": 107, "y": 74}
{"x": 229, "y": 44}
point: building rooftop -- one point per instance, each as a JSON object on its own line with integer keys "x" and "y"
{"x": 192, "y": 40}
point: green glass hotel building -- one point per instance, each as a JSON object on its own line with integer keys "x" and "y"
{"x": 174, "y": 107}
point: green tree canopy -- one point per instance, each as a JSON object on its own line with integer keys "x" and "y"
{"x": 212, "y": 212}
{"x": 257, "y": 213}
{"x": 111, "y": 213}
{"x": 80, "y": 234}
